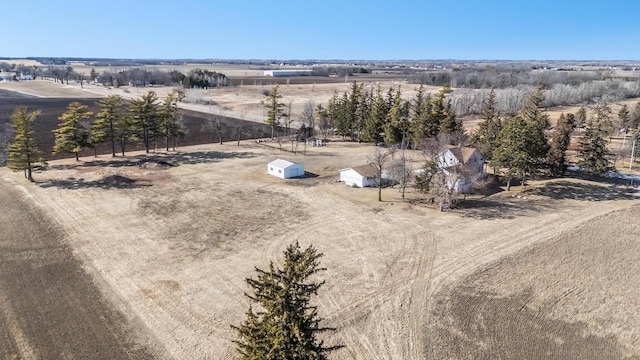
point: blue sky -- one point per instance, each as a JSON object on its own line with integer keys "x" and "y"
{"x": 326, "y": 29}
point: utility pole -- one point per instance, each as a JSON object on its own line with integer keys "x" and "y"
{"x": 633, "y": 151}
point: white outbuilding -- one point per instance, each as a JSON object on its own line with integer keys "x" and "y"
{"x": 360, "y": 176}
{"x": 285, "y": 169}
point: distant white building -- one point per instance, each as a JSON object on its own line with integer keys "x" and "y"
{"x": 285, "y": 169}
{"x": 360, "y": 176}
{"x": 25, "y": 77}
{"x": 291, "y": 72}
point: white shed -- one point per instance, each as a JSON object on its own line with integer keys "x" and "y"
{"x": 360, "y": 176}
{"x": 285, "y": 169}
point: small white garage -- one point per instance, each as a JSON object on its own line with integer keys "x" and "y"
{"x": 285, "y": 169}
{"x": 360, "y": 176}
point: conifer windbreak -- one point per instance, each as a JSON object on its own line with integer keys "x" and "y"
{"x": 71, "y": 135}
{"x": 144, "y": 119}
{"x": 284, "y": 324}
{"x": 108, "y": 122}
{"x": 23, "y": 152}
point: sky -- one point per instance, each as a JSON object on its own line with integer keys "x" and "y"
{"x": 326, "y": 29}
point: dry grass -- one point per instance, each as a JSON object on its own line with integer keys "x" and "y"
{"x": 177, "y": 252}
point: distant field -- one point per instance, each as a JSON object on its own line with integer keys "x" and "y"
{"x": 51, "y": 108}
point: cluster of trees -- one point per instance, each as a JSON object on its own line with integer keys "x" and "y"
{"x": 201, "y": 78}
{"x": 371, "y": 116}
{"x": 137, "y": 77}
{"x": 196, "y": 78}
{"x": 502, "y": 77}
{"x": 338, "y": 71}
{"x": 523, "y": 144}
{"x": 143, "y": 120}
{"x": 281, "y": 322}
{"x": 510, "y": 100}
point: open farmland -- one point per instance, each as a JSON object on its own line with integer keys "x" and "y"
{"x": 175, "y": 244}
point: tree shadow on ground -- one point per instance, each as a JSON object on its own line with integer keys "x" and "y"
{"x": 483, "y": 209}
{"x": 108, "y": 182}
{"x": 568, "y": 190}
{"x": 169, "y": 159}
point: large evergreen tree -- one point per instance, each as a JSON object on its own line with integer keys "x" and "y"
{"x": 522, "y": 145}
{"x": 395, "y": 120}
{"x": 485, "y": 137}
{"x": 593, "y": 150}
{"x": 169, "y": 124}
{"x": 375, "y": 118}
{"x": 144, "y": 119}
{"x": 275, "y": 110}
{"x": 71, "y": 136}
{"x": 108, "y": 122}
{"x": 560, "y": 140}
{"x": 284, "y": 324}
{"x": 23, "y": 151}
{"x": 420, "y": 108}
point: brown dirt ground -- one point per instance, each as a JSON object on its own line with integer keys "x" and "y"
{"x": 569, "y": 298}
{"x": 176, "y": 244}
{"x": 50, "y": 308}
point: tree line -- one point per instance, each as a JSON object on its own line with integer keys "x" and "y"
{"x": 146, "y": 120}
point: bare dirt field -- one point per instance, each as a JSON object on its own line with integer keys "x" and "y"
{"x": 50, "y": 307}
{"x": 175, "y": 243}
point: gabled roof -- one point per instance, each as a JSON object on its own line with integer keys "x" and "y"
{"x": 367, "y": 170}
{"x": 463, "y": 154}
{"x": 283, "y": 164}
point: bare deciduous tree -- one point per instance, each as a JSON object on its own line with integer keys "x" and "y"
{"x": 378, "y": 159}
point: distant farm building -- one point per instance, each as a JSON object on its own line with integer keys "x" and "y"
{"x": 25, "y": 77}
{"x": 462, "y": 165}
{"x": 360, "y": 176}
{"x": 276, "y": 73}
{"x": 285, "y": 169}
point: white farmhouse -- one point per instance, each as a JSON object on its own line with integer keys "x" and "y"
{"x": 360, "y": 176}
{"x": 462, "y": 165}
{"x": 285, "y": 169}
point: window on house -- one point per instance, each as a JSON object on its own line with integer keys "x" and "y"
{"x": 270, "y": 169}
{"x": 279, "y": 171}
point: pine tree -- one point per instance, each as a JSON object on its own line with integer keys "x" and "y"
{"x": 108, "y": 122}
{"x": 275, "y": 110}
{"x": 394, "y": 121}
{"x": 635, "y": 117}
{"x": 23, "y": 151}
{"x": 560, "y": 143}
{"x": 581, "y": 117}
{"x": 593, "y": 150}
{"x": 420, "y": 108}
{"x": 440, "y": 111}
{"x": 511, "y": 154}
{"x": 486, "y": 136}
{"x": 71, "y": 136}
{"x": 144, "y": 119}
{"x": 537, "y": 124}
{"x": 286, "y": 325}
{"x": 375, "y": 118}
{"x": 169, "y": 124}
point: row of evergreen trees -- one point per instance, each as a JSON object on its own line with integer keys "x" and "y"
{"x": 523, "y": 144}
{"x": 520, "y": 145}
{"x": 370, "y": 115}
{"x": 142, "y": 120}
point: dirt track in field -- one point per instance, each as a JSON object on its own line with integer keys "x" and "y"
{"x": 49, "y": 306}
{"x": 176, "y": 245}
{"x": 574, "y": 297}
